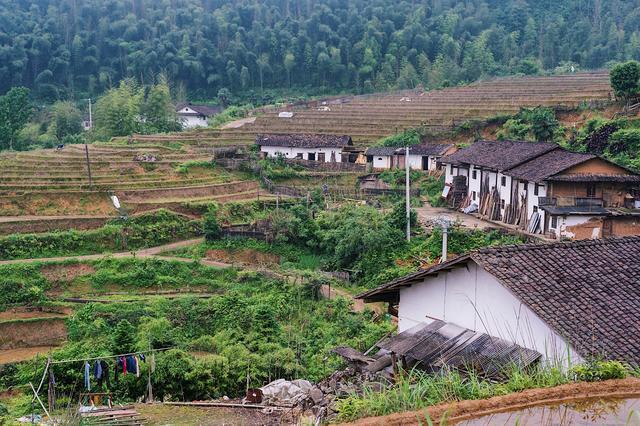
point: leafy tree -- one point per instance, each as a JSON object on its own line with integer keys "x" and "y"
{"x": 124, "y": 337}
{"x": 625, "y": 79}
{"x": 15, "y": 112}
{"x": 211, "y": 227}
{"x": 224, "y": 96}
{"x": 160, "y": 114}
{"x": 397, "y": 218}
{"x": 544, "y": 123}
{"x": 67, "y": 120}
{"x": 118, "y": 112}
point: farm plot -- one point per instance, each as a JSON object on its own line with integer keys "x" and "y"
{"x": 52, "y": 183}
{"x": 368, "y": 118}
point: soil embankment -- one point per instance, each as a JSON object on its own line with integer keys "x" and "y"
{"x": 465, "y": 410}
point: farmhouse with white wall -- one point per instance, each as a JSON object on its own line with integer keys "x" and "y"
{"x": 421, "y": 157}
{"x": 567, "y": 301}
{"x": 322, "y": 148}
{"x": 192, "y": 116}
{"x": 545, "y": 189}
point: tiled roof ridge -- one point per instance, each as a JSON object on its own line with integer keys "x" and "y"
{"x": 547, "y": 246}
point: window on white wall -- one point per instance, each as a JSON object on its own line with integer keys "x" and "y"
{"x": 503, "y": 181}
{"x": 554, "y": 222}
{"x": 473, "y": 175}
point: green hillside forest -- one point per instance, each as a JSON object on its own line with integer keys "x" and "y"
{"x": 65, "y": 49}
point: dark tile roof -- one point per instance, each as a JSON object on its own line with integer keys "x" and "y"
{"x": 498, "y": 155}
{"x": 587, "y": 291}
{"x": 548, "y": 164}
{"x": 429, "y": 149}
{"x": 381, "y": 150}
{"x": 303, "y": 140}
{"x": 596, "y": 178}
{"x": 205, "y": 110}
{"x": 576, "y": 210}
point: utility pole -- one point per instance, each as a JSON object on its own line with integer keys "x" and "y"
{"x": 86, "y": 155}
{"x": 408, "y": 195}
{"x": 445, "y": 235}
{"x": 90, "y": 116}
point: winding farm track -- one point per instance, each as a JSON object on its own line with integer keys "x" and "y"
{"x": 154, "y": 252}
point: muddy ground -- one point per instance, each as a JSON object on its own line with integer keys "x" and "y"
{"x": 165, "y": 415}
{"x": 464, "y": 410}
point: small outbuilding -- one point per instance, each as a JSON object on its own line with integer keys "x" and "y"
{"x": 322, "y": 148}
{"x": 192, "y": 116}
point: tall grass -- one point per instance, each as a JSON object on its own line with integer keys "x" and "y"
{"x": 418, "y": 390}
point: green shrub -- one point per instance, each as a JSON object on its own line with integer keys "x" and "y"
{"x": 138, "y": 232}
{"x": 210, "y": 227}
{"x": 405, "y": 138}
{"x": 598, "y": 370}
{"x": 625, "y": 79}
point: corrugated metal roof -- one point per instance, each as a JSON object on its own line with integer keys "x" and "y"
{"x": 439, "y": 344}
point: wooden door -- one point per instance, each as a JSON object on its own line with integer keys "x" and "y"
{"x": 321, "y": 157}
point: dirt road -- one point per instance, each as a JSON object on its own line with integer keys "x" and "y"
{"x": 428, "y": 213}
{"x": 149, "y": 252}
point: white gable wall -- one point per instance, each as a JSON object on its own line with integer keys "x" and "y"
{"x": 471, "y": 297}
{"x": 291, "y": 153}
{"x": 381, "y": 161}
{"x": 193, "y": 121}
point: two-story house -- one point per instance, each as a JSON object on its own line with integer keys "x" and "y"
{"x": 544, "y": 188}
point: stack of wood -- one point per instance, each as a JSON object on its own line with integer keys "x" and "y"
{"x": 120, "y": 416}
{"x": 490, "y": 205}
{"x": 458, "y": 191}
{"x": 514, "y": 212}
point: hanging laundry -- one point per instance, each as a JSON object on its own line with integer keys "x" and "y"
{"x": 142, "y": 358}
{"x": 97, "y": 371}
{"x": 131, "y": 364}
{"x": 153, "y": 362}
{"x": 105, "y": 374}
{"x": 116, "y": 367}
{"x": 124, "y": 365}
{"x": 87, "y": 374}
{"x": 135, "y": 358}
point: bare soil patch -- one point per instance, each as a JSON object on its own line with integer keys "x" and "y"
{"x": 32, "y": 333}
{"x": 244, "y": 256}
{"x": 66, "y": 273}
{"x": 9, "y": 356}
{"x": 33, "y": 312}
{"x": 465, "y": 410}
{"x": 158, "y": 414}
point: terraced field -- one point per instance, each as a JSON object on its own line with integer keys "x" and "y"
{"x": 56, "y": 183}
{"x": 53, "y": 183}
{"x": 368, "y": 118}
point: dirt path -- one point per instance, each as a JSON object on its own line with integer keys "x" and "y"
{"x": 149, "y": 252}
{"x": 427, "y": 213}
{"x": 465, "y": 410}
{"x": 8, "y": 356}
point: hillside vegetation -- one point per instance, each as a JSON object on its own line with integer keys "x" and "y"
{"x": 64, "y": 47}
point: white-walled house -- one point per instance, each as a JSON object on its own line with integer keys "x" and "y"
{"x": 563, "y": 194}
{"x": 381, "y": 157}
{"x": 192, "y": 116}
{"x": 568, "y": 301}
{"x": 321, "y": 148}
{"x": 421, "y": 157}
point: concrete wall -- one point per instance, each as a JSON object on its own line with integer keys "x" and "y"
{"x": 287, "y": 152}
{"x": 381, "y": 161}
{"x": 193, "y": 121}
{"x": 470, "y": 297}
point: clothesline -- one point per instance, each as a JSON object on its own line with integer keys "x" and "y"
{"x": 110, "y": 356}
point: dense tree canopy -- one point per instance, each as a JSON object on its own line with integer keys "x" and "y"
{"x": 61, "y": 48}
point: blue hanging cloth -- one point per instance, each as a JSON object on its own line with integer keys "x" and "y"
{"x": 87, "y": 374}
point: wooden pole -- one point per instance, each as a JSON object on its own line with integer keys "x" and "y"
{"x": 86, "y": 154}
